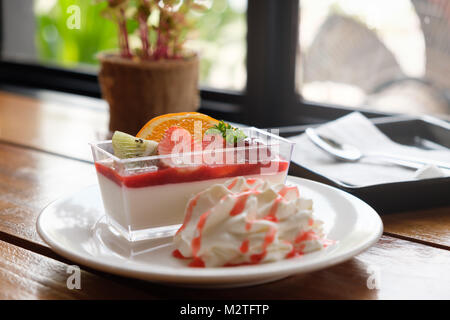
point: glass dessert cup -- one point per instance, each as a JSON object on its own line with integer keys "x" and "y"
{"x": 145, "y": 197}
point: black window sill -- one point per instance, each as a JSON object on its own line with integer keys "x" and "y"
{"x": 225, "y": 105}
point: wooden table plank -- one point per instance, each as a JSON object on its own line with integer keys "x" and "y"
{"x": 405, "y": 270}
{"x": 30, "y": 180}
{"x": 33, "y": 179}
{"x": 56, "y": 127}
{"x": 52, "y": 126}
{"x": 430, "y": 226}
{"x": 27, "y": 275}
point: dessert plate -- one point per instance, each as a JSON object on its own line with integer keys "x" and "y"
{"x": 74, "y": 226}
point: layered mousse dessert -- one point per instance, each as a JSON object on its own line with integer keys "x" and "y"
{"x": 147, "y": 180}
{"x": 247, "y": 221}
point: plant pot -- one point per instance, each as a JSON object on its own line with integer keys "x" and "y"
{"x": 137, "y": 91}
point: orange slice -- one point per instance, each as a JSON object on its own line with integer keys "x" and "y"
{"x": 156, "y": 127}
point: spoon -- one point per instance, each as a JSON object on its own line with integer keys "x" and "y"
{"x": 346, "y": 152}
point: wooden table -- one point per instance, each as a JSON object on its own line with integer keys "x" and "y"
{"x": 44, "y": 154}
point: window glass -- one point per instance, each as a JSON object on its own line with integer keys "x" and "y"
{"x": 39, "y": 31}
{"x": 385, "y": 55}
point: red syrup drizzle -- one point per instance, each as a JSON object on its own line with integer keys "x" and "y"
{"x": 196, "y": 241}
{"x": 286, "y": 189}
{"x": 256, "y": 258}
{"x": 328, "y": 242}
{"x": 177, "y": 254}
{"x": 197, "y": 263}
{"x": 242, "y": 197}
{"x": 190, "y": 208}
{"x": 305, "y": 236}
{"x": 269, "y": 238}
{"x": 296, "y": 252}
{"x": 232, "y": 184}
{"x": 244, "y": 246}
{"x": 273, "y": 210}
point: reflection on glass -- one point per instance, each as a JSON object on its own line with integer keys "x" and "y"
{"x": 385, "y": 55}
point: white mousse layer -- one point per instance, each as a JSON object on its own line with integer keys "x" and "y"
{"x": 136, "y": 209}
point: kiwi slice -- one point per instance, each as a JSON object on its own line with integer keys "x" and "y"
{"x": 127, "y": 146}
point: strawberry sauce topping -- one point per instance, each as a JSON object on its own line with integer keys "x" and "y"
{"x": 298, "y": 243}
{"x": 197, "y": 263}
{"x": 305, "y": 236}
{"x": 270, "y": 236}
{"x": 273, "y": 210}
{"x": 166, "y": 175}
{"x": 177, "y": 254}
{"x": 286, "y": 189}
{"x": 196, "y": 241}
{"x": 192, "y": 203}
{"x": 233, "y": 183}
{"x": 244, "y": 246}
{"x": 296, "y": 252}
{"x": 241, "y": 201}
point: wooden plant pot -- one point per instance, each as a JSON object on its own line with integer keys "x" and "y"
{"x": 137, "y": 91}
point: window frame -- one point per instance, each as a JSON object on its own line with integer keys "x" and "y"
{"x": 1, "y": 29}
{"x": 272, "y": 44}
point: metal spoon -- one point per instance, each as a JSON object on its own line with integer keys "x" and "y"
{"x": 346, "y": 152}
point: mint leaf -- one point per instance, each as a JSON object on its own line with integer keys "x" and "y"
{"x": 229, "y": 133}
{"x": 213, "y": 130}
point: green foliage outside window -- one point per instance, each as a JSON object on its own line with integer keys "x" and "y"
{"x": 220, "y": 25}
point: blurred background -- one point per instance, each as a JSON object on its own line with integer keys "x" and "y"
{"x": 220, "y": 37}
{"x": 387, "y": 56}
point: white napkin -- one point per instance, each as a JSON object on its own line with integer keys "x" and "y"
{"x": 357, "y": 130}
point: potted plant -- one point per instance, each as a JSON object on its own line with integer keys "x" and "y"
{"x": 158, "y": 77}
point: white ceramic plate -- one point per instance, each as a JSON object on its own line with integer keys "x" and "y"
{"x": 73, "y": 226}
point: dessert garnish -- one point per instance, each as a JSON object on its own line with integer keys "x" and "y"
{"x": 157, "y": 127}
{"x": 231, "y": 134}
{"x": 176, "y": 133}
{"x": 179, "y": 133}
{"x": 127, "y": 146}
{"x": 247, "y": 221}
{"x": 172, "y": 159}
{"x": 175, "y": 140}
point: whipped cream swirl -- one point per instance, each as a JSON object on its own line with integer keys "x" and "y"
{"x": 247, "y": 221}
